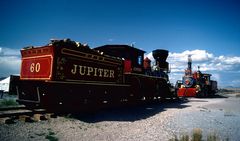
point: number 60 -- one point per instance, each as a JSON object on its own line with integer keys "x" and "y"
{"x": 35, "y": 67}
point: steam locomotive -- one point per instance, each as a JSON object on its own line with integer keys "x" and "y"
{"x": 68, "y": 74}
{"x": 196, "y": 84}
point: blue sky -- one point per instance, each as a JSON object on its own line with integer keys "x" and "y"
{"x": 205, "y": 28}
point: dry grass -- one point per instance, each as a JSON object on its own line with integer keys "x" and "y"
{"x": 212, "y": 137}
{"x": 197, "y": 135}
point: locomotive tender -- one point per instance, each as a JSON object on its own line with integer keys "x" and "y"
{"x": 68, "y": 74}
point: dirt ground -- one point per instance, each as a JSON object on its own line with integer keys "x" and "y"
{"x": 152, "y": 121}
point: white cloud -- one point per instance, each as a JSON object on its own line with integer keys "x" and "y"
{"x": 9, "y": 52}
{"x": 1, "y": 51}
{"x": 197, "y": 56}
{"x": 216, "y": 76}
{"x": 9, "y": 61}
{"x": 228, "y": 60}
{"x": 149, "y": 56}
{"x": 208, "y": 63}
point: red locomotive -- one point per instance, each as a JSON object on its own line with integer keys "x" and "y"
{"x": 196, "y": 84}
{"x": 69, "y": 74}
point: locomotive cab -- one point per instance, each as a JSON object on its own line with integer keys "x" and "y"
{"x": 133, "y": 57}
{"x": 207, "y": 78}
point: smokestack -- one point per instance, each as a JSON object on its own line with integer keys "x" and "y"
{"x": 189, "y": 64}
{"x": 160, "y": 56}
{"x": 188, "y": 71}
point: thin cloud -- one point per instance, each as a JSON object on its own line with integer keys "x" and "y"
{"x": 110, "y": 40}
{"x": 9, "y": 52}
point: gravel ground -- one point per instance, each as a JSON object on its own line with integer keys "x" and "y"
{"x": 156, "y": 121}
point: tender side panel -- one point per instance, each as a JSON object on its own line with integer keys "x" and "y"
{"x": 37, "y": 64}
{"x": 73, "y": 65}
{"x": 73, "y": 94}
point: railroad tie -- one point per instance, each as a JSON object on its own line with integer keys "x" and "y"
{"x": 7, "y": 120}
{"x": 25, "y": 118}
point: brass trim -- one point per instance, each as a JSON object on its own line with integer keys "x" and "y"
{"x": 86, "y": 56}
{"x": 92, "y": 61}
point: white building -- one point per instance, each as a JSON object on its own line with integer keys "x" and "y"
{"x": 4, "y": 84}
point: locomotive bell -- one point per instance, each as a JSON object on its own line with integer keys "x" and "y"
{"x": 160, "y": 55}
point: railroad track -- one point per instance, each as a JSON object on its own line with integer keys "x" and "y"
{"x": 9, "y": 114}
{"x": 19, "y": 107}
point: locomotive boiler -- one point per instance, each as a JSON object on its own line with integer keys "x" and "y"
{"x": 196, "y": 84}
{"x": 67, "y": 74}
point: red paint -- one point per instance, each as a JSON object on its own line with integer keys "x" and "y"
{"x": 186, "y": 92}
{"x": 34, "y": 68}
{"x": 127, "y": 66}
{"x": 40, "y": 51}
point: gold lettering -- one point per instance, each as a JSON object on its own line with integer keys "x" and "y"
{"x": 32, "y": 66}
{"x": 82, "y": 70}
{"x": 100, "y": 72}
{"x": 111, "y": 74}
{"x": 90, "y": 69}
{"x": 105, "y": 74}
{"x": 74, "y": 70}
{"x": 37, "y": 67}
{"x": 95, "y": 71}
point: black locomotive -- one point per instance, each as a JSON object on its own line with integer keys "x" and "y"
{"x": 69, "y": 74}
{"x": 196, "y": 84}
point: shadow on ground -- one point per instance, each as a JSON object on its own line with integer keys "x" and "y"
{"x": 128, "y": 112}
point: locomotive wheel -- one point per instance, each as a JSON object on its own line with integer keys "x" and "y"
{"x": 135, "y": 92}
